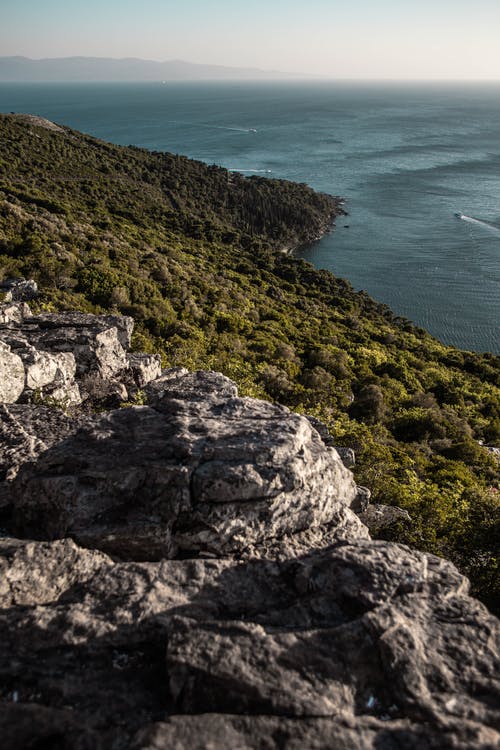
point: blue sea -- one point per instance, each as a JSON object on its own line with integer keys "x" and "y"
{"x": 406, "y": 158}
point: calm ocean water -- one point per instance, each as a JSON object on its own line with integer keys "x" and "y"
{"x": 405, "y": 158}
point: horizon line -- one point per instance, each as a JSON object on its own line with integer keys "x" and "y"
{"x": 281, "y": 75}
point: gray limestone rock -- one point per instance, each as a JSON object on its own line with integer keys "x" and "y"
{"x": 213, "y": 730}
{"x": 100, "y": 392}
{"x": 371, "y": 632}
{"x": 280, "y": 626}
{"x": 34, "y": 573}
{"x": 60, "y": 350}
{"x": 144, "y": 368}
{"x": 27, "y": 431}
{"x": 12, "y": 375}
{"x": 13, "y": 312}
{"x": 181, "y": 385}
{"x": 215, "y": 473}
{"x": 364, "y": 644}
{"x": 98, "y": 342}
{"x": 47, "y": 374}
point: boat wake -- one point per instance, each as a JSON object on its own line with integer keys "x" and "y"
{"x": 238, "y": 130}
{"x": 212, "y": 127}
{"x": 472, "y": 220}
{"x": 261, "y": 171}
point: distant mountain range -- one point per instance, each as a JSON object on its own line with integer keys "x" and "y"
{"x": 24, "y": 69}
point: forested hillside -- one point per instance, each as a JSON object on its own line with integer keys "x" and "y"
{"x": 193, "y": 253}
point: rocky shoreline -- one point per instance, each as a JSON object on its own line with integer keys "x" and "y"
{"x": 185, "y": 568}
{"x": 325, "y": 228}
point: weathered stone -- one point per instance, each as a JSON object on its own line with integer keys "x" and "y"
{"x": 11, "y": 375}
{"x": 378, "y": 517}
{"x": 13, "y": 312}
{"x": 98, "y": 342}
{"x": 345, "y": 525}
{"x": 63, "y": 396}
{"x": 49, "y": 369}
{"x": 181, "y": 385}
{"x": 215, "y": 473}
{"x": 364, "y": 644}
{"x": 279, "y": 732}
{"x": 303, "y": 634}
{"x": 108, "y": 393}
{"x": 47, "y": 374}
{"x": 144, "y": 368}
{"x": 26, "y": 431}
{"x": 378, "y": 636}
{"x": 34, "y": 573}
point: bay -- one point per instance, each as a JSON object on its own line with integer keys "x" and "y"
{"x": 406, "y": 157}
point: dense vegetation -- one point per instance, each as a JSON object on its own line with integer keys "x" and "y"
{"x": 192, "y": 253}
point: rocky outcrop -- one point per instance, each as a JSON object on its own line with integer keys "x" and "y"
{"x": 98, "y": 342}
{"x": 365, "y": 644}
{"x": 200, "y": 470}
{"x": 194, "y": 573}
{"x": 69, "y": 357}
{"x": 144, "y": 368}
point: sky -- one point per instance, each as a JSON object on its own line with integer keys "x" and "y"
{"x": 402, "y": 39}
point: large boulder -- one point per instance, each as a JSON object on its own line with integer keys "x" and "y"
{"x": 73, "y": 357}
{"x": 199, "y": 471}
{"x": 364, "y": 644}
{"x": 283, "y": 733}
{"x": 98, "y": 342}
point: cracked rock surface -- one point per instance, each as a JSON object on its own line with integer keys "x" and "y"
{"x": 363, "y": 644}
{"x": 215, "y": 474}
{"x": 193, "y": 573}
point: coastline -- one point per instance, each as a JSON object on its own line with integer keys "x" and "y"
{"x": 327, "y": 227}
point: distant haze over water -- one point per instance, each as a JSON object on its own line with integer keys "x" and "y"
{"x": 406, "y": 158}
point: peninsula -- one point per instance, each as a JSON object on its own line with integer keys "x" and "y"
{"x": 210, "y": 453}
{"x": 129, "y": 69}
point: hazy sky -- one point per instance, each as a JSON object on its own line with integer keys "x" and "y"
{"x": 336, "y": 38}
